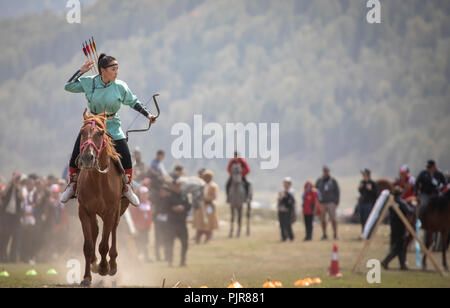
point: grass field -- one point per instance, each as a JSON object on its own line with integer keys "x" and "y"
{"x": 252, "y": 260}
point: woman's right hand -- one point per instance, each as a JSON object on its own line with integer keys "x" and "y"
{"x": 86, "y": 66}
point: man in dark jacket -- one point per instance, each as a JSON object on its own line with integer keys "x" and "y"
{"x": 429, "y": 183}
{"x": 178, "y": 208}
{"x": 398, "y": 231}
{"x": 10, "y": 219}
{"x": 368, "y": 195}
{"x": 329, "y": 199}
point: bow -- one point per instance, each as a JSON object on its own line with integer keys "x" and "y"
{"x": 149, "y": 123}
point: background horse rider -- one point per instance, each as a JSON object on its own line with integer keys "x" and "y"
{"x": 245, "y": 171}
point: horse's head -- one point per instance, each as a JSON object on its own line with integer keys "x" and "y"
{"x": 92, "y": 139}
{"x": 236, "y": 173}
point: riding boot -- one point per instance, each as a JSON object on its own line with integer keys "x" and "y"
{"x": 71, "y": 189}
{"x": 128, "y": 188}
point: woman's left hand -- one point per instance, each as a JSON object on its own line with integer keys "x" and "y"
{"x": 151, "y": 118}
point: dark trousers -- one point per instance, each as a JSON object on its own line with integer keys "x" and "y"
{"x": 286, "y": 225}
{"x": 161, "y": 234}
{"x": 309, "y": 226}
{"x": 178, "y": 230}
{"x": 364, "y": 212}
{"x": 121, "y": 147}
{"x": 11, "y": 229}
{"x": 397, "y": 246}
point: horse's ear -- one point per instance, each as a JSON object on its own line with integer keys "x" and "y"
{"x": 85, "y": 113}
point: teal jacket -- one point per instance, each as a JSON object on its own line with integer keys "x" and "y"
{"x": 101, "y": 97}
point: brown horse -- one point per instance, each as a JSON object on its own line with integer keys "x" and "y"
{"x": 100, "y": 186}
{"x": 435, "y": 218}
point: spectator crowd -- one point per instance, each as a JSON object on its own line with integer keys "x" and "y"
{"x": 36, "y": 227}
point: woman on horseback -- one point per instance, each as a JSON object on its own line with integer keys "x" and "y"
{"x": 104, "y": 92}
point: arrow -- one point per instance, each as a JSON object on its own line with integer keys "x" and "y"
{"x": 95, "y": 48}
{"x": 88, "y": 49}
{"x": 93, "y": 54}
{"x": 86, "y": 54}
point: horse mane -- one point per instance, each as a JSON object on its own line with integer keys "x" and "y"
{"x": 100, "y": 121}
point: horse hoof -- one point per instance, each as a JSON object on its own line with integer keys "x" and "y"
{"x": 85, "y": 283}
{"x": 103, "y": 271}
{"x": 112, "y": 272}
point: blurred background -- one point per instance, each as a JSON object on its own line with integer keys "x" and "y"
{"x": 346, "y": 93}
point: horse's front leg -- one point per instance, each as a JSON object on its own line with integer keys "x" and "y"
{"x": 103, "y": 248}
{"x": 88, "y": 247}
{"x": 94, "y": 231}
{"x": 232, "y": 221}
{"x": 249, "y": 208}
{"x": 239, "y": 218}
{"x": 113, "y": 251}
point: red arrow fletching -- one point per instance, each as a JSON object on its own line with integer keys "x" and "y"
{"x": 87, "y": 48}
{"x": 84, "y": 50}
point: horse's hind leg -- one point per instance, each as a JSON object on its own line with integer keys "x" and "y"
{"x": 428, "y": 240}
{"x": 113, "y": 252}
{"x": 444, "y": 249}
{"x": 88, "y": 247}
{"x": 103, "y": 268}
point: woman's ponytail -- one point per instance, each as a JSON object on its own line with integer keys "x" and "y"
{"x": 104, "y": 61}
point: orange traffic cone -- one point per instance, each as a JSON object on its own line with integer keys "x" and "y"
{"x": 334, "y": 268}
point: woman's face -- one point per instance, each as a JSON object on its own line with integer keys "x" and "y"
{"x": 110, "y": 73}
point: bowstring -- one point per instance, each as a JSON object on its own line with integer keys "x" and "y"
{"x": 137, "y": 115}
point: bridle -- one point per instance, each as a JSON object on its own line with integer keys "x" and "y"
{"x": 89, "y": 142}
{"x": 97, "y": 149}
